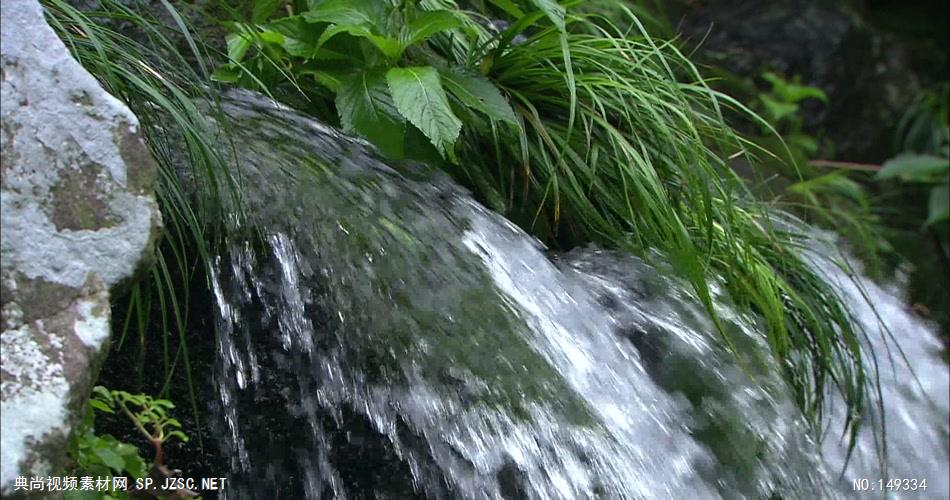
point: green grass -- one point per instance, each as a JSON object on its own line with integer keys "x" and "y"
{"x": 619, "y": 142}
{"x": 163, "y": 89}
{"x": 624, "y": 144}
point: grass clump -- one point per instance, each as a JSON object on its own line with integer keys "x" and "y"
{"x": 164, "y": 89}
{"x": 577, "y": 130}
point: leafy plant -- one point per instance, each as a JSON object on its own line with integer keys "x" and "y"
{"x": 576, "y": 129}
{"x": 926, "y": 169}
{"x": 103, "y": 455}
{"x": 924, "y": 138}
{"x": 781, "y": 106}
{"x": 924, "y": 128}
{"x": 362, "y": 53}
{"x": 169, "y": 92}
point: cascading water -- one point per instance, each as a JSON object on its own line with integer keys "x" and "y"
{"x": 386, "y": 337}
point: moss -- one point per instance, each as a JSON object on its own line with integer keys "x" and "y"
{"x": 76, "y": 204}
{"x": 37, "y": 297}
{"x": 142, "y": 169}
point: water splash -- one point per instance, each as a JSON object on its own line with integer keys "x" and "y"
{"x": 914, "y": 386}
{"x": 388, "y": 337}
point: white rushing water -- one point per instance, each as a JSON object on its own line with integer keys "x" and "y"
{"x": 914, "y": 387}
{"x": 390, "y": 338}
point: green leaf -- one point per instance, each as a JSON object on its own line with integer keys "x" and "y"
{"x": 99, "y": 405}
{"x": 263, "y": 9}
{"x": 430, "y": 23}
{"x": 552, "y": 10}
{"x": 237, "y": 46}
{"x": 365, "y": 107}
{"x": 178, "y": 434}
{"x": 480, "y": 94}
{"x": 331, "y": 79}
{"x": 509, "y": 7}
{"x": 777, "y": 110}
{"x": 939, "y": 206}
{"x": 272, "y": 37}
{"x": 134, "y": 464}
{"x": 226, "y": 74}
{"x": 103, "y": 393}
{"x": 343, "y": 12}
{"x": 390, "y": 47}
{"x": 110, "y": 458}
{"x": 911, "y": 167}
{"x": 300, "y": 37}
{"x": 418, "y": 95}
{"x": 793, "y": 92}
{"x": 806, "y": 142}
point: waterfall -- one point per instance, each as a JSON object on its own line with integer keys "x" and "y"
{"x": 382, "y": 335}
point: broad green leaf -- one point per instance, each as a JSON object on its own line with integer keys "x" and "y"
{"x": 135, "y": 465}
{"x": 225, "y": 74}
{"x": 390, "y": 47}
{"x": 110, "y": 458}
{"x": 331, "y": 79}
{"x": 911, "y": 167}
{"x": 272, "y": 37}
{"x": 430, "y": 23}
{"x": 300, "y": 37}
{"x": 480, "y": 94}
{"x": 125, "y": 450}
{"x": 939, "y": 206}
{"x": 343, "y": 12}
{"x": 263, "y": 9}
{"x": 299, "y": 48}
{"x": 237, "y": 46}
{"x": 365, "y": 107}
{"x": 552, "y": 10}
{"x": 418, "y": 95}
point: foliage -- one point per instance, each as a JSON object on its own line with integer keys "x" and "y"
{"x": 144, "y": 411}
{"x": 926, "y": 169}
{"x": 576, "y": 129}
{"x": 170, "y": 95}
{"x": 364, "y": 50}
{"x": 924, "y": 128}
{"x": 924, "y": 138}
{"x": 103, "y": 455}
{"x": 780, "y": 108}
{"x": 829, "y": 194}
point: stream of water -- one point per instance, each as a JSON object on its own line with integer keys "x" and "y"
{"x": 387, "y": 337}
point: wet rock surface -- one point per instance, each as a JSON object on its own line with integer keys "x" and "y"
{"x": 78, "y": 218}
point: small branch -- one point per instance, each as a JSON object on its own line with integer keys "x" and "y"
{"x": 134, "y": 420}
{"x": 156, "y": 441}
